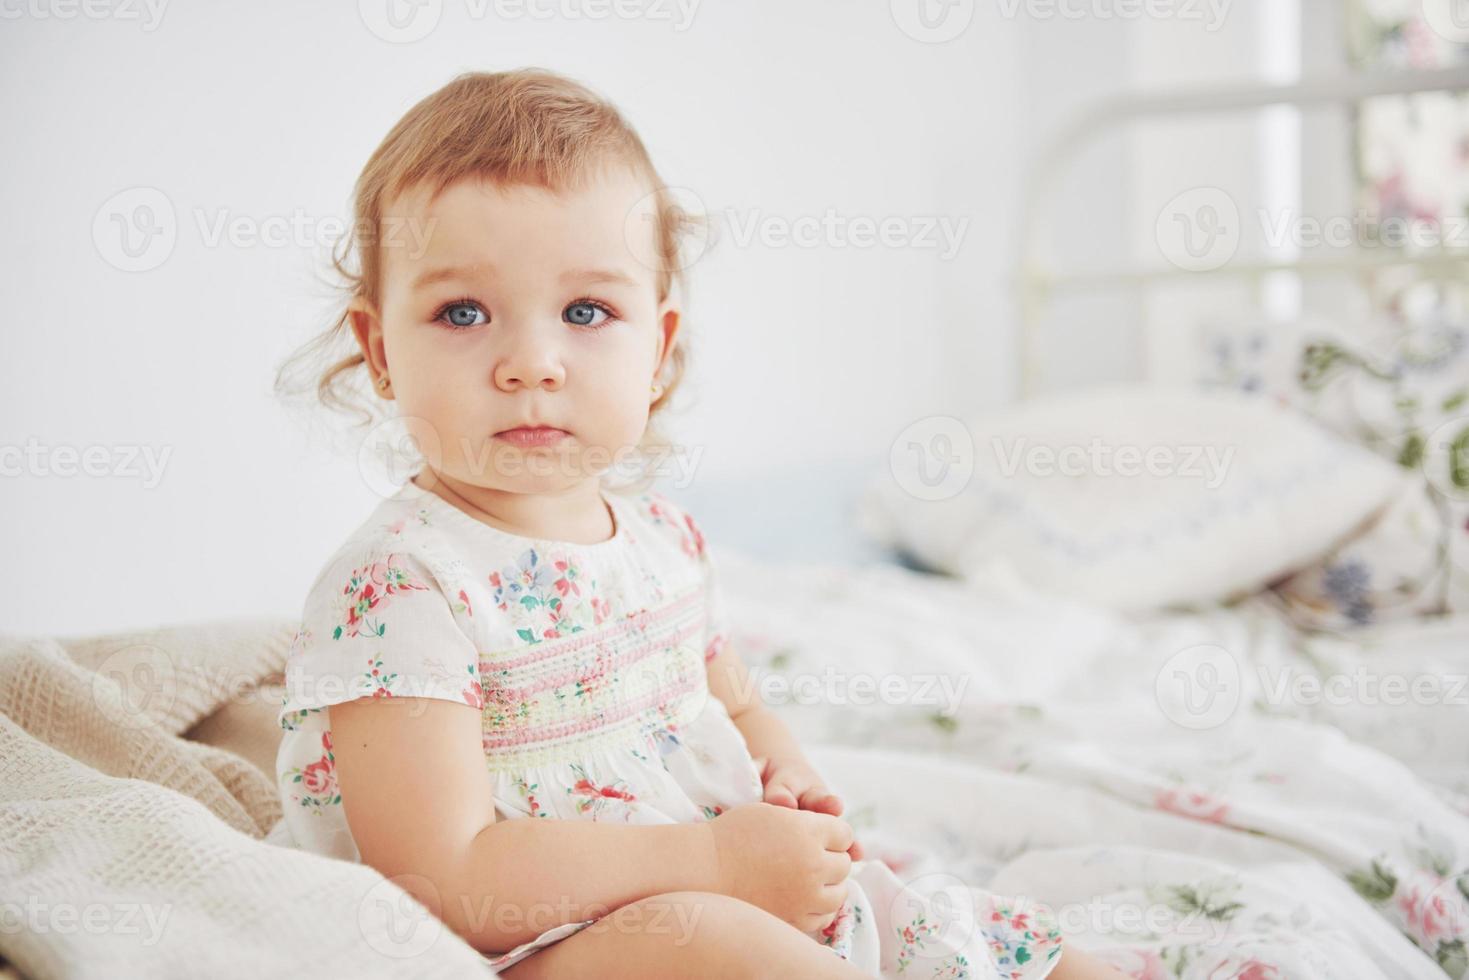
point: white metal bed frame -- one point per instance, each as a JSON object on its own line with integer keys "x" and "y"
{"x": 1038, "y": 282}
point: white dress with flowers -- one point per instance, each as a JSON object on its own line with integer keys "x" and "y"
{"x": 587, "y": 663}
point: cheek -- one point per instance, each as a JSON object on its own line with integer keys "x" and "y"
{"x": 430, "y": 375}
{"x": 615, "y": 398}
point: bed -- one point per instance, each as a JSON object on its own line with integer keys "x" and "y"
{"x": 1022, "y": 745}
{"x": 1293, "y": 836}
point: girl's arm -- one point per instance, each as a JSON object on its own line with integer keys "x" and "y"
{"x": 419, "y": 803}
{"x": 766, "y": 736}
{"x": 788, "y": 776}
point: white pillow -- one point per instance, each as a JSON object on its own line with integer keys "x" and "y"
{"x": 1150, "y": 496}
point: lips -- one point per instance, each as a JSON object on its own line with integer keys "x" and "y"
{"x": 532, "y": 435}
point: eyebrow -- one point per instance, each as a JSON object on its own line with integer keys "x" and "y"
{"x": 465, "y": 272}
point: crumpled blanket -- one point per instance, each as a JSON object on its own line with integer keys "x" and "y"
{"x": 129, "y": 850}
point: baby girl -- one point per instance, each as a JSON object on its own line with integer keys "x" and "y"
{"x": 513, "y": 691}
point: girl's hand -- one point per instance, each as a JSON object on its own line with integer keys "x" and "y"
{"x": 790, "y": 863}
{"x": 794, "y": 783}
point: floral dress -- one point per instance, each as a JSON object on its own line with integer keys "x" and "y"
{"x": 587, "y": 663}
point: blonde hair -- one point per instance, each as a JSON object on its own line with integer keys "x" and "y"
{"x": 527, "y": 126}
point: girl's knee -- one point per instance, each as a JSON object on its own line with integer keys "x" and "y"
{"x": 691, "y": 917}
{"x": 741, "y": 939}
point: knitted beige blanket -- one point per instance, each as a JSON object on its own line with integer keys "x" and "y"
{"x": 128, "y": 850}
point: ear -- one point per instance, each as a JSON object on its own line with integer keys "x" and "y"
{"x": 367, "y": 327}
{"x": 669, "y": 318}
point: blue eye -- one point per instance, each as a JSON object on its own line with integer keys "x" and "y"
{"x": 460, "y": 315}
{"x": 584, "y": 313}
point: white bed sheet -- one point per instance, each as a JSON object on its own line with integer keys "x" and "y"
{"x": 1030, "y": 750}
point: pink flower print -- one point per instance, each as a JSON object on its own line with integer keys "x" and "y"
{"x": 600, "y": 610}
{"x": 912, "y": 938}
{"x": 463, "y": 604}
{"x": 1431, "y": 911}
{"x": 319, "y": 779}
{"x": 591, "y": 681}
{"x": 1139, "y": 964}
{"x": 1232, "y": 968}
{"x": 566, "y": 584}
{"x": 545, "y": 596}
{"x": 473, "y": 691}
{"x": 596, "y": 797}
{"x": 379, "y": 678}
{"x": 528, "y": 791}
{"x": 837, "y": 934}
{"x": 1194, "y": 805}
{"x": 368, "y": 588}
{"x": 585, "y": 786}
{"x": 689, "y": 536}
{"x": 391, "y": 576}
{"x": 502, "y": 704}
{"x": 694, "y": 543}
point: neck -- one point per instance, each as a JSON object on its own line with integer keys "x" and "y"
{"x": 576, "y": 514}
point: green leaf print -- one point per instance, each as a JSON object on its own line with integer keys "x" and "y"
{"x": 1203, "y": 899}
{"x": 947, "y": 724}
{"x": 1376, "y": 885}
{"x": 1412, "y": 452}
{"x": 1453, "y": 958}
{"x": 1459, "y": 460}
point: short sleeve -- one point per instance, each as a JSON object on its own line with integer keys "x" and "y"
{"x": 378, "y": 624}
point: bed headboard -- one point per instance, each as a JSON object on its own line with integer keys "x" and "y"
{"x": 1040, "y": 281}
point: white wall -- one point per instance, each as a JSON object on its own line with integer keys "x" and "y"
{"x": 807, "y": 361}
{"x": 268, "y": 110}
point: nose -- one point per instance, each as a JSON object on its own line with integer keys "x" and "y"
{"x": 531, "y": 361}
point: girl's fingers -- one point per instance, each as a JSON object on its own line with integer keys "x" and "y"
{"x": 818, "y": 799}
{"x": 780, "y": 795}
{"x": 837, "y": 865}
{"x": 838, "y": 835}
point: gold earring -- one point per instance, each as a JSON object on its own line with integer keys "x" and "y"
{"x": 656, "y": 390}
{"x": 383, "y": 382}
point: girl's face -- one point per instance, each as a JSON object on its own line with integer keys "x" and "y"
{"x": 512, "y": 306}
